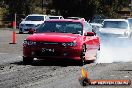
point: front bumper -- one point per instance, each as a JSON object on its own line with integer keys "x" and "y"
{"x": 26, "y": 29}
{"x": 59, "y": 52}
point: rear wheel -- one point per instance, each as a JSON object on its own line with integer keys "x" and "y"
{"x": 27, "y": 60}
{"x": 83, "y": 55}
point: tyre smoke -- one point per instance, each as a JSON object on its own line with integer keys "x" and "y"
{"x": 119, "y": 50}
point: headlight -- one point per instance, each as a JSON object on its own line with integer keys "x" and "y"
{"x": 69, "y": 44}
{"x": 28, "y": 42}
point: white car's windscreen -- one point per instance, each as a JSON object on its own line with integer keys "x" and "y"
{"x": 115, "y": 24}
{"x": 34, "y": 18}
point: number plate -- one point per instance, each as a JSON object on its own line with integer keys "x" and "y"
{"x": 47, "y": 50}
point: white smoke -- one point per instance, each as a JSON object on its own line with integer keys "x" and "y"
{"x": 115, "y": 51}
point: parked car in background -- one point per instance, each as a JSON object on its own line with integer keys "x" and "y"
{"x": 115, "y": 28}
{"x": 55, "y": 17}
{"x": 62, "y": 39}
{"x": 31, "y": 22}
{"x": 76, "y": 18}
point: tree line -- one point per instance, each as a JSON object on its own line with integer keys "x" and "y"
{"x": 80, "y": 8}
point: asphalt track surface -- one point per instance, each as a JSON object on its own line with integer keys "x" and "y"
{"x": 51, "y": 74}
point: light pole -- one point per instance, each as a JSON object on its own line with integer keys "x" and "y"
{"x": 42, "y": 6}
{"x": 131, "y": 5}
{"x": 130, "y": 8}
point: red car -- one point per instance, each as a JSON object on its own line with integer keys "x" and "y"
{"x": 62, "y": 39}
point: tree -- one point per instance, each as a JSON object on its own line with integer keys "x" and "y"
{"x": 87, "y": 8}
{"x": 80, "y": 8}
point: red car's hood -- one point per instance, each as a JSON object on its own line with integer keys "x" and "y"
{"x": 53, "y": 37}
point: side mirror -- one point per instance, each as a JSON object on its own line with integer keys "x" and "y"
{"x": 89, "y": 34}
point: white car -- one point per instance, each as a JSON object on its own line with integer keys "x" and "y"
{"x": 31, "y": 22}
{"x": 55, "y": 17}
{"x": 76, "y": 18}
{"x": 115, "y": 28}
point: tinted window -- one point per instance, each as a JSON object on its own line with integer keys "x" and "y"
{"x": 115, "y": 24}
{"x": 61, "y": 27}
{"x": 35, "y": 18}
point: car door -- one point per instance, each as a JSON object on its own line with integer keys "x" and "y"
{"x": 95, "y": 39}
{"x": 88, "y": 39}
{"x": 90, "y": 43}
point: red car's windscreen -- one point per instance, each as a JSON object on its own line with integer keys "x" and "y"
{"x": 61, "y": 27}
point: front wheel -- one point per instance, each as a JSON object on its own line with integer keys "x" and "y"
{"x": 27, "y": 60}
{"x": 20, "y": 32}
{"x": 31, "y": 31}
{"x": 83, "y": 55}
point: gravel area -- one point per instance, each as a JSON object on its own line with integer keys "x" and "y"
{"x": 51, "y": 74}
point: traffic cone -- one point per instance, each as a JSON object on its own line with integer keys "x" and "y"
{"x": 84, "y": 80}
{"x": 13, "y": 37}
{"x": 84, "y": 74}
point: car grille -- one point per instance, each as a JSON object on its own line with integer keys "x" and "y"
{"x": 49, "y": 45}
{"x": 55, "y": 44}
{"x": 30, "y": 25}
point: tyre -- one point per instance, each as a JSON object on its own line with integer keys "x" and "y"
{"x": 27, "y": 60}
{"x": 83, "y": 55}
{"x": 31, "y": 31}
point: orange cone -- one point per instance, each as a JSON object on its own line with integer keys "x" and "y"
{"x": 13, "y": 37}
{"x": 84, "y": 74}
